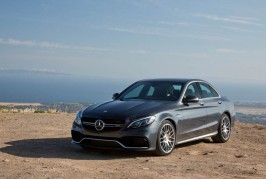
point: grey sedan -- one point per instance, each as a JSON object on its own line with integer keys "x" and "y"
{"x": 156, "y": 115}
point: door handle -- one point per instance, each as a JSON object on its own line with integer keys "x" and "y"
{"x": 202, "y": 103}
{"x": 219, "y": 102}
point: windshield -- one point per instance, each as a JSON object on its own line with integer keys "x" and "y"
{"x": 168, "y": 91}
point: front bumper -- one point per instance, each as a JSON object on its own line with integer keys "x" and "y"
{"x": 127, "y": 139}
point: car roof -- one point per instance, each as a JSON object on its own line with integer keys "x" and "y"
{"x": 180, "y": 80}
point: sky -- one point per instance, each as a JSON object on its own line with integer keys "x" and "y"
{"x": 220, "y": 40}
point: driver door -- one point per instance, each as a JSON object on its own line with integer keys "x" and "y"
{"x": 193, "y": 120}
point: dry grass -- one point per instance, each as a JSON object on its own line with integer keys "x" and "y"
{"x": 19, "y": 104}
{"x": 30, "y": 110}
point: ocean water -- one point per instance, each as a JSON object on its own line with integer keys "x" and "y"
{"x": 59, "y": 88}
{"x": 51, "y": 88}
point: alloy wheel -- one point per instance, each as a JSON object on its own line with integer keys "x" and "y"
{"x": 225, "y": 128}
{"x": 167, "y": 138}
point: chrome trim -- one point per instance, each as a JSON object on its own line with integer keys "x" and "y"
{"x": 99, "y": 125}
{"x": 197, "y": 138}
{"x": 125, "y": 147}
{"x": 106, "y": 125}
{"x": 88, "y": 123}
{"x": 197, "y": 81}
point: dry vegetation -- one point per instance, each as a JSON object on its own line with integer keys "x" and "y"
{"x": 37, "y": 145}
{"x": 19, "y": 104}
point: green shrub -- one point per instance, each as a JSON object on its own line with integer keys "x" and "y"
{"x": 39, "y": 111}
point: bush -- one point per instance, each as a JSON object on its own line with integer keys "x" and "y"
{"x": 39, "y": 111}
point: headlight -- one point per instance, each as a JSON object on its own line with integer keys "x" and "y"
{"x": 78, "y": 117}
{"x": 142, "y": 122}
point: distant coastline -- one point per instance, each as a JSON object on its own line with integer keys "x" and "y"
{"x": 246, "y": 112}
{"x": 19, "y": 104}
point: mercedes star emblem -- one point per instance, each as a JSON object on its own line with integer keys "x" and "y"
{"x": 99, "y": 125}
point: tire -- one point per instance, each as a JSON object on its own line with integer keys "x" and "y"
{"x": 165, "y": 139}
{"x": 224, "y": 130}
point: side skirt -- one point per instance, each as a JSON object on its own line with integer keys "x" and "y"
{"x": 197, "y": 138}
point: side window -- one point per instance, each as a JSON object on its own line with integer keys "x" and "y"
{"x": 207, "y": 91}
{"x": 192, "y": 90}
{"x": 151, "y": 91}
{"x": 177, "y": 90}
{"x": 177, "y": 87}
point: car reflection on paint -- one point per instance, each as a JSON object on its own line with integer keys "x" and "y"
{"x": 155, "y": 115}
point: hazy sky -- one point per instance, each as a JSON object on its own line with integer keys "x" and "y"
{"x": 217, "y": 40}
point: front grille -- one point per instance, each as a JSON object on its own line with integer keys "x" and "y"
{"x": 110, "y": 124}
{"x": 101, "y": 144}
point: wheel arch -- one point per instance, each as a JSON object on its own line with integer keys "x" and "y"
{"x": 228, "y": 114}
{"x": 170, "y": 120}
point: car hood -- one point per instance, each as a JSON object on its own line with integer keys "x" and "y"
{"x": 127, "y": 109}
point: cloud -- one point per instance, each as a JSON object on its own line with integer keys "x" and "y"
{"x": 237, "y": 29}
{"x": 185, "y": 55}
{"x": 213, "y": 38}
{"x": 171, "y": 23}
{"x": 245, "y": 18}
{"x": 235, "y": 51}
{"x": 232, "y": 19}
{"x": 45, "y": 44}
{"x": 145, "y": 31}
{"x": 137, "y": 52}
{"x": 33, "y": 71}
{"x": 166, "y": 33}
{"x": 225, "y": 50}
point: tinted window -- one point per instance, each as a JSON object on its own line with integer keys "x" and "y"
{"x": 207, "y": 91}
{"x": 192, "y": 90}
{"x": 134, "y": 93}
{"x": 149, "y": 90}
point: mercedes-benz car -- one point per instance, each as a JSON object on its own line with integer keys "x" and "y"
{"x": 156, "y": 115}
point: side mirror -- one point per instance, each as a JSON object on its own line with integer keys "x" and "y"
{"x": 115, "y": 96}
{"x": 190, "y": 99}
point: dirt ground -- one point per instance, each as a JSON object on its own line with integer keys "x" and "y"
{"x": 38, "y": 146}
